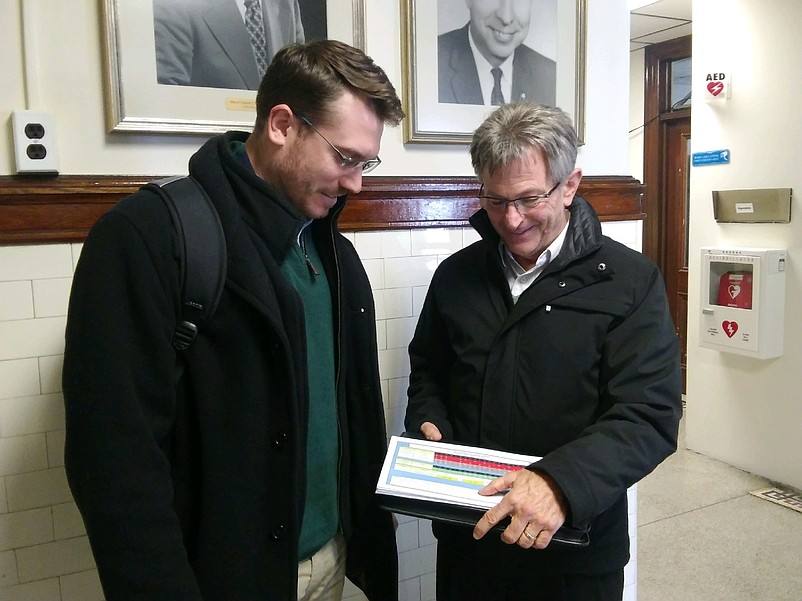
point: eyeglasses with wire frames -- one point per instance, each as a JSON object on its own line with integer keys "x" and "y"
{"x": 524, "y": 204}
{"x": 346, "y": 162}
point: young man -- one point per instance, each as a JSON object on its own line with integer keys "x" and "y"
{"x": 252, "y": 478}
{"x": 544, "y": 338}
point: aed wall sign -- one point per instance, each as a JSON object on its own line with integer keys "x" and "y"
{"x": 717, "y": 85}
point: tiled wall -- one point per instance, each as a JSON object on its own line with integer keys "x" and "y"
{"x": 44, "y": 553}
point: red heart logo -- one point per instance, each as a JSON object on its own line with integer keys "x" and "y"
{"x": 730, "y": 327}
{"x": 715, "y": 87}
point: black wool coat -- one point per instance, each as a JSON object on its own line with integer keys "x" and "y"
{"x": 582, "y": 371}
{"x": 196, "y": 491}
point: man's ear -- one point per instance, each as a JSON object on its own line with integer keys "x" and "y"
{"x": 571, "y": 186}
{"x": 279, "y": 124}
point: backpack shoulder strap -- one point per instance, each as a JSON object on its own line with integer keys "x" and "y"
{"x": 202, "y": 249}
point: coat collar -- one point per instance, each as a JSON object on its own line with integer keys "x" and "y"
{"x": 584, "y": 234}
{"x": 260, "y": 225}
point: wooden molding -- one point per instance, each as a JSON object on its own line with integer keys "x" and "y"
{"x": 35, "y": 210}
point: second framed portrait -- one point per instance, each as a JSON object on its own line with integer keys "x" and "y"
{"x": 463, "y": 57}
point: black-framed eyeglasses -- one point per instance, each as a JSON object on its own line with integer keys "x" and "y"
{"x": 524, "y": 204}
{"x": 346, "y": 162}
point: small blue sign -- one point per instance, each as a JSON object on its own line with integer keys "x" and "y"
{"x": 710, "y": 157}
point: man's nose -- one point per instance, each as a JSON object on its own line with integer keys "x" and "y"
{"x": 504, "y": 11}
{"x": 351, "y": 180}
{"x": 512, "y": 217}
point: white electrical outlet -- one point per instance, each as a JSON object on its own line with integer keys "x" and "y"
{"x": 34, "y": 142}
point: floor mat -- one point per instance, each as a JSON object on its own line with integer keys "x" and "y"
{"x": 780, "y": 497}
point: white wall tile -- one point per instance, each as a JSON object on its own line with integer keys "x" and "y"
{"x": 29, "y": 415}
{"x": 396, "y": 244}
{"x": 8, "y": 570}
{"x": 54, "y": 559}
{"x": 67, "y": 521}
{"x": 3, "y": 500}
{"x": 396, "y": 302}
{"x": 400, "y": 331}
{"x": 418, "y": 296}
{"x": 416, "y": 563}
{"x": 630, "y": 593}
{"x": 18, "y": 377}
{"x": 406, "y": 536}
{"x": 381, "y": 334}
{"x": 21, "y": 454}
{"x": 44, "y": 590}
{"x": 35, "y": 262}
{"x": 50, "y": 297}
{"x": 409, "y": 590}
{"x": 16, "y": 300}
{"x": 368, "y": 245}
{"x": 37, "y": 489}
{"x": 397, "y": 390}
{"x": 375, "y": 270}
{"x": 425, "y": 534}
{"x": 84, "y": 586}
{"x": 469, "y": 236}
{"x": 436, "y": 241}
{"x": 25, "y": 528}
{"x": 55, "y": 448}
{"x": 50, "y": 368}
{"x": 408, "y": 271}
{"x": 394, "y": 419}
{"x": 32, "y": 337}
{"x": 393, "y": 363}
{"x": 75, "y": 252}
{"x": 428, "y": 587}
{"x": 383, "y": 384}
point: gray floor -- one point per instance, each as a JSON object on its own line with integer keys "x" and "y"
{"x": 703, "y": 537}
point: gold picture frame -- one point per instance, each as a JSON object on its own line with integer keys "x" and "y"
{"x": 433, "y": 122}
{"x": 135, "y": 102}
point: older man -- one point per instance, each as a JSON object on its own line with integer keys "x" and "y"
{"x": 544, "y": 338}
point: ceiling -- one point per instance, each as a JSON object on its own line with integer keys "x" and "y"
{"x": 659, "y": 21}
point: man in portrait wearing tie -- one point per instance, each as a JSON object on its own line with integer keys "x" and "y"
{"x": 221, "y": 43}
{"x": 486, "y": 61}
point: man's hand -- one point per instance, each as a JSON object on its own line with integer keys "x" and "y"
{"x": 430, "y": 431}
{"x": 534, "y": 502}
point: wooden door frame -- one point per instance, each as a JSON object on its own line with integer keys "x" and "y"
{"x": 658, "y": 58}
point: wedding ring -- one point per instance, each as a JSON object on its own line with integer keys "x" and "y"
{"x": 529, "y": 536}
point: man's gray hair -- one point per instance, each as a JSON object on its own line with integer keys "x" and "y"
{"x": 513, "y": 130}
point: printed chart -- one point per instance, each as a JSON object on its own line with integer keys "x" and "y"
{"x": 433, "y": 471}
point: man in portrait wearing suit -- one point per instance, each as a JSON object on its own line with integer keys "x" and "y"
{"x": 486, "y": 61}
{"x": 221, "y": 43}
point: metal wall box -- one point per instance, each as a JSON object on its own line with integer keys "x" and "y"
{"x": 770, "y": 205}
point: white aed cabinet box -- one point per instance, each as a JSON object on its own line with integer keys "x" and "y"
{"x": 743, "y": 301}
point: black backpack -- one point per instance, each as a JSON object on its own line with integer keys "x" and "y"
{"x": 202, "y": 248}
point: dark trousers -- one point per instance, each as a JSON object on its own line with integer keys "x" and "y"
{"x": 462, "y": 576}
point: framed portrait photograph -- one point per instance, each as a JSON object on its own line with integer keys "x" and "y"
{"x": 463, "y": 57}
{"x": 193, "y": 66}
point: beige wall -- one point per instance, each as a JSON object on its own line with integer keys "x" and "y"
{"x": 744, "y": 411}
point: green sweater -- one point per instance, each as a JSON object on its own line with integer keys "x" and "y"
{"x": 321, "y": 518}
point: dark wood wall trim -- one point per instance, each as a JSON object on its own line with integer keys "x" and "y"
{"x": 36, "y": 210}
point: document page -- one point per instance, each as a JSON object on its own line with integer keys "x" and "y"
{"x": 444, "y": 472}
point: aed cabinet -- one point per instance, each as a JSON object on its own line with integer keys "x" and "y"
{"x": 743, "y": 301}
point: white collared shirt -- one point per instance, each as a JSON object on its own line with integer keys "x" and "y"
{"x": 486, "y": 77}
{"x": 518, "y": 278}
